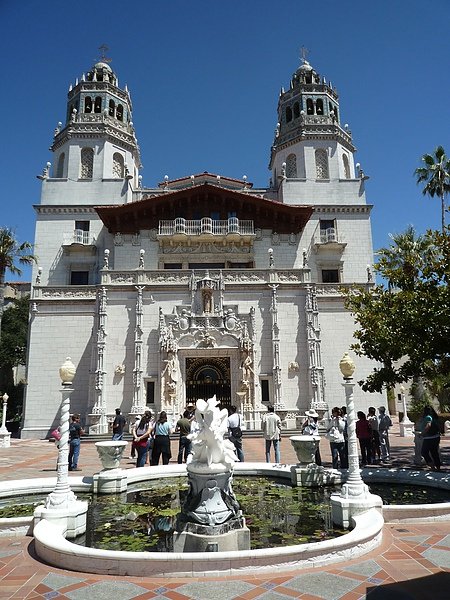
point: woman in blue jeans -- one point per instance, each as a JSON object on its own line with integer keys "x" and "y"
{"x": 141, "y": 435}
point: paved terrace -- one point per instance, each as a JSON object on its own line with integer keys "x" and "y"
{"x": 413, "y": 562}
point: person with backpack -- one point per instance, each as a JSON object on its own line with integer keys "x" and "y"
{"x": 235, "y": 432}
{"x": 431, "y": 438}
{"x": 75, "y": 433}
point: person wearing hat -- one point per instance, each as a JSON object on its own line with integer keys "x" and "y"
{"x": 310, "y": 427}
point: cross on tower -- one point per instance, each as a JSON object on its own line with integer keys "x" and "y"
{"x": 304, "y": 51}
{"x": 103, "y": 49}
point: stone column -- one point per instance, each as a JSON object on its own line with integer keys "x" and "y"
{"x": 276, "y": 368}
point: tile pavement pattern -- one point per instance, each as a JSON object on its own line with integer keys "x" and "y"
{"x": 413, "y": 562}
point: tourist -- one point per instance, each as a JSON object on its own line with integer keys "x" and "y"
{"x": 235, "y": 431}
{"x": 183, "y": 427}
{"x": 137, "y": 419}
{"x": 310, "y": 427}
{"x": 364, "y": 435}
{"x": 75, "y": 433}
{"x": 373, "y": 422}
{"x": 118, "y": 425}
{"x": 271, "y": 426}
{"x": 431, "y": 438}
{"x": 335, "y": 435}
{"x": 161, "y": 431}
{"x": 142, "y": 435}
{"x": 384, "y": 422}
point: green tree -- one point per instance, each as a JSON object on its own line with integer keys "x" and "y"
{"x": 406, "y": 326}
{"x": 436, "y": 175}
{"x": 13, "y": 350}
{"x": 11, "y": 252}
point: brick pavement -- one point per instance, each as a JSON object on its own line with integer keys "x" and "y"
{"x": 413, "y": 561}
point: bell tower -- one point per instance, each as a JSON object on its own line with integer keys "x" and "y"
{"x": 95, "y": 152}
{"x": 311, "y": 147}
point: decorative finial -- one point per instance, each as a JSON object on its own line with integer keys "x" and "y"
{"x": 347, "y": 366}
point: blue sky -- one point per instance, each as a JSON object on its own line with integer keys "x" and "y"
{"x": 204, "y": 77}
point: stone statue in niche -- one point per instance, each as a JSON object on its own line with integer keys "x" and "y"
{"x": 208, "y": 304}
{"x": 170, "y": 373}
{"x": 247, "y": 369}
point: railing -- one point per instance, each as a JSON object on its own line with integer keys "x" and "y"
{"x": 206, "y": 225}
{"x": 78, "y": 236}
{"x": 328, "y": 235}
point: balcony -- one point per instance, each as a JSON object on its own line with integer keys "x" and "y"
{"x": 231, "y": 229}
{"x": 79, "y": 238}
{"x": 328, "y": 239}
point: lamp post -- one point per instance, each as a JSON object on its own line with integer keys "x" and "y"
{"x": 5, "y": 436}
{"x": 406, "y": 426}
{"x": 62, "y": 495}
{"x": 354, "y": 498}
{"x": 61, "y": 506}
{"x": 354, "y": 485}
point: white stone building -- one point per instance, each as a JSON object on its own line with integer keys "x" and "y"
{"x": 204, "y": 284}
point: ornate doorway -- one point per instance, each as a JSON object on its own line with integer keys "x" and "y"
{"x": 206, "y": 376}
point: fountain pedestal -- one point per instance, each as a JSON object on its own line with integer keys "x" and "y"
{"x": 211, "y": 520}
{"x": 112, "y": 479}
{"x": 306, "y": 473}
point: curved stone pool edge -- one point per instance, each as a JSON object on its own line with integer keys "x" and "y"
{"x": 51, "y": 546}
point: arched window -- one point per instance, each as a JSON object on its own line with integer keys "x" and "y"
{"x": 88, "y": 104}
{"x": 118, "y": 165}
{"x": 321, "y": 164}
{"x": 288, "y": 114}
{"x": 87, "y": 163}
{"x": 119, "y": 112}
{"x": 60, "y": 167}
{"x": 346, "y": 166}
{"x": 309, "y": 107}
{"x": 98, "y": 104}
{"x": 319, "y": 106}
{"x": 291, "y": 166}
{"x": 296, "y": 111}
{"x": 112, "y": 107}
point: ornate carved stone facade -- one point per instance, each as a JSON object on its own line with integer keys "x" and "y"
{"x": 201, "y": 285}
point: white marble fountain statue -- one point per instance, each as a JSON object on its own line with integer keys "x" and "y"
{"x": 210, "y": 519}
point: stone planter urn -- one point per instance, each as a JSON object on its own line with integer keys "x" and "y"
{"x": 305, "y": 447}
{"x": 110, "y": 453}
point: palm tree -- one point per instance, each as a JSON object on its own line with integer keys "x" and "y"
{"x": 10, "y": 253}
{"x": 401, "y": 263}
{"x": 436, "y": 175}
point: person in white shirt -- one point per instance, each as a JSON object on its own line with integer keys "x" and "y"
{"x": 271, "y": 426}
{"x": 335, "y": 435}
{"x": 384, "y": 422}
